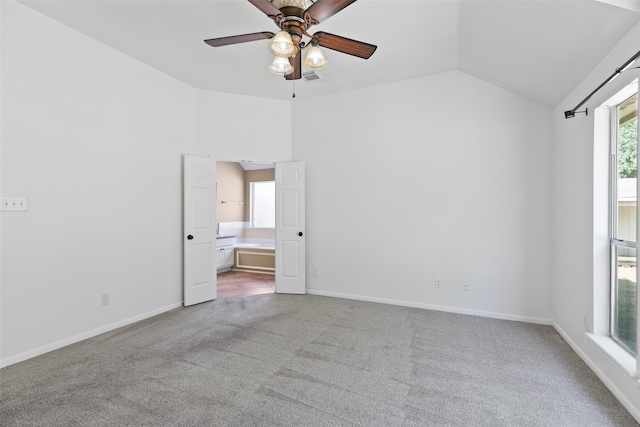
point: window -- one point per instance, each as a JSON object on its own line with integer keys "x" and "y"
{"x": 263, "y": 204}
{"x": 623, "y": 219}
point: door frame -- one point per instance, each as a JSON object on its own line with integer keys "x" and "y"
{"x": 258, "y": 162}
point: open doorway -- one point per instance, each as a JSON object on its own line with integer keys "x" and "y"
{"x": 245, "y": 219}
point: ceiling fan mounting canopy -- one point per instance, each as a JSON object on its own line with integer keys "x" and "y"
{"x": 295, "y": 17}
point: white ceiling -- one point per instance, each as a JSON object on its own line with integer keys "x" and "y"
{"x": 537, "y": 49}
{"x": 250, "y": 166}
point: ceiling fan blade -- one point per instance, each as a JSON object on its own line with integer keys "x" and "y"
{"x": 323, "y": 9}
{"x": 224, "y": 41}
{"x": 296, "y": 61}
{"x": 345, "y": 45}
{"x": 266, "y": 7}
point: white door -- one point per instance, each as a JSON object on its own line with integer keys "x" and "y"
{"x": 199, "y": 238}
{"x": 290, "y": 248}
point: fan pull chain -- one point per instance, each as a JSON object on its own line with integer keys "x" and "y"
{"x": 294, "y": 88}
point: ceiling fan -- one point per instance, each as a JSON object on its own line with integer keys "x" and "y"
{"x": 294, "y": 18}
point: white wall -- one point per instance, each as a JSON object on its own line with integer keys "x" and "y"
{"x": 574, "y": 272}
{"x": 444, "y": 176}
{"x": 235, "y": 127}
{"x": 94, "y": 140}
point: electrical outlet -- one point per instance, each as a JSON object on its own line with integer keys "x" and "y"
{"x": 466, "y": 286}
{"x": 316, "y": 272}
{"x": 106, "y": 299}
{"x": 437, "y": 283}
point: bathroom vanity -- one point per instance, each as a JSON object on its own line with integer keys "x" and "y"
{"x": 225, "y": 249}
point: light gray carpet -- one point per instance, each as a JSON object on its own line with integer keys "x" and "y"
{"x": 272, "y": 360}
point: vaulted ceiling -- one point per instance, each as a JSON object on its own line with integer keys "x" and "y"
{"x": 537, "y": 49}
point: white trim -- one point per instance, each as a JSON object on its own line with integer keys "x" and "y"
{"x": 614, "y": 351}
{"x": 83, "y": 336}
{"x": 622, "y": 398}
{"x": 246, "y": 270}
{"x": 448, "y": 309}
{"x": 621, "y": 96}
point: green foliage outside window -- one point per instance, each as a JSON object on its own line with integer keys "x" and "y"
{"x": 625, "y": 312}
{"x": 628, "y": 150}
{"x": 625, "y": 308}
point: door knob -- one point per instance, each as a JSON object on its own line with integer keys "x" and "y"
{"x": 189, "y": 237}
{"x": 300, "y": 234}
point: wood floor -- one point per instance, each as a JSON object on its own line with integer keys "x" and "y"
{"x": 240, "y": 283}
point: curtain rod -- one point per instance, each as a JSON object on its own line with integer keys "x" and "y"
{"x": 572, "y": 113}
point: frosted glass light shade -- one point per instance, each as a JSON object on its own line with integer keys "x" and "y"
{"x": 282, "y": 45}
{"x": 315, "y": 58}
{"x": 302, "y": 4}
{"x": 281, "y": 66}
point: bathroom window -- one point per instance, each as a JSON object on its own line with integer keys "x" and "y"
{"x": 263, "y": 204}
{"x": 623, "y": 221}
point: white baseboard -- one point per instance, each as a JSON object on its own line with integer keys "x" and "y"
{"x": 447, "y": 309}
{"x": 633, "y": 410}
{"x": 89, "y": 334}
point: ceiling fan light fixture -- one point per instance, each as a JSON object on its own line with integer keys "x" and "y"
{"x": 302, "y": 4}
{"x": 282, "y": 45}
{"x": 294, "y": 18}
{"x": 315, "y": 58}
{"x": 281, "y": 66}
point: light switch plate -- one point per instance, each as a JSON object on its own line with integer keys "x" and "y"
{"x": 16, "y": 204}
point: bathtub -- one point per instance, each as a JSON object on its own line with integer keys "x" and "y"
{"x": 255, "y": 255}
{"x": 256, "y": 245}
